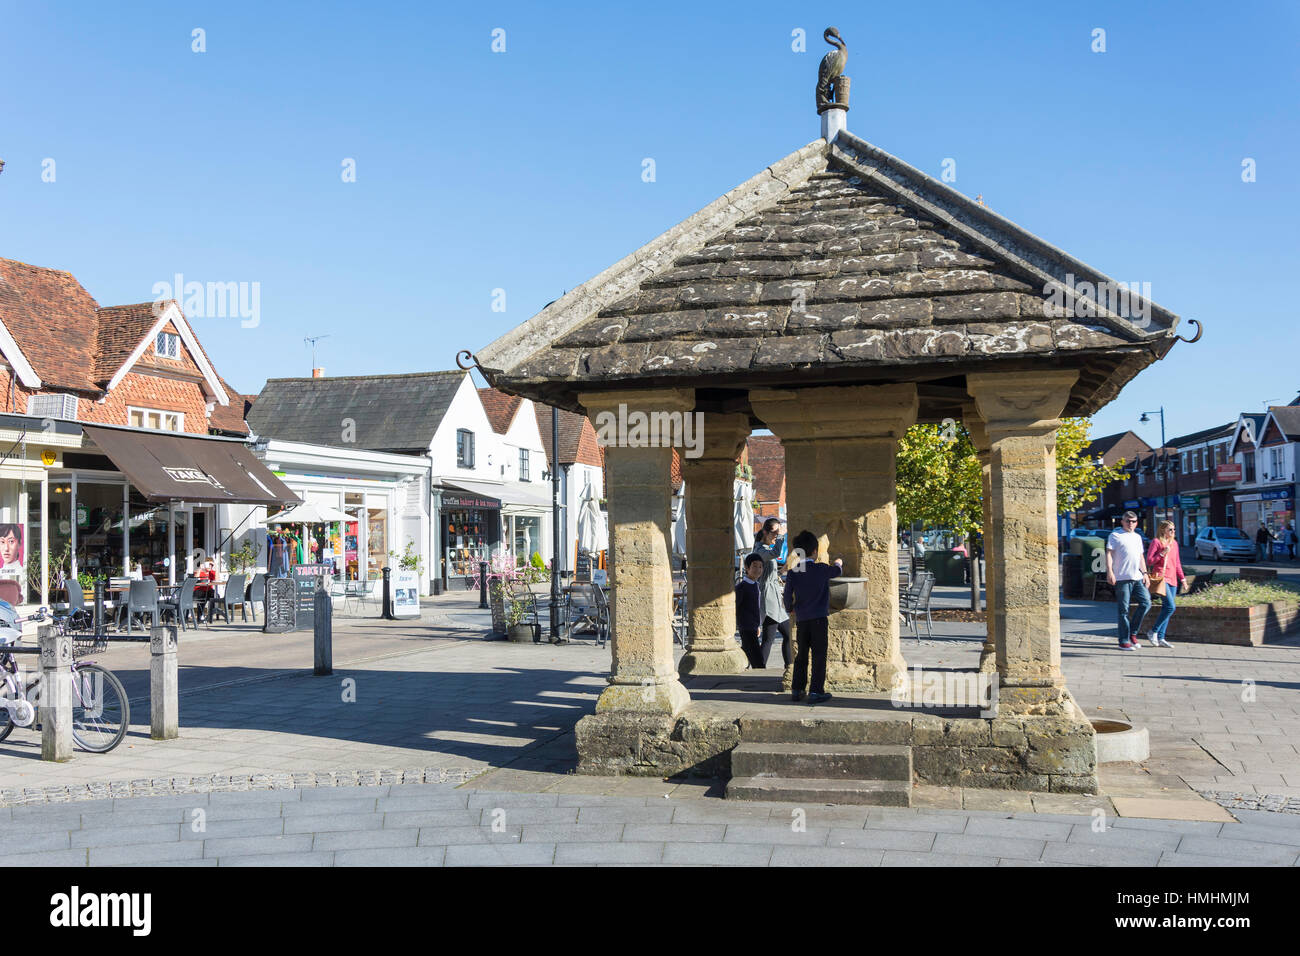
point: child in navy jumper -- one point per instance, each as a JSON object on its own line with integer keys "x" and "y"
{"x": 808, "y": 596}
{"x": 749, "y": 610}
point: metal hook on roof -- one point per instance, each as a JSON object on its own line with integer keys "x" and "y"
{"x": 466, "y": 354}
{"x": 1194, "y": 338}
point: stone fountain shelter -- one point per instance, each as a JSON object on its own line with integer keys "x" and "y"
{"x": 836, "y": 298}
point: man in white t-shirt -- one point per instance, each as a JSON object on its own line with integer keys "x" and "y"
{"x": 1126, "y": 570}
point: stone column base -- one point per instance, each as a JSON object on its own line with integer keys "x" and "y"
{"x": 855, "y": 677}
{"x": 666, "y": 697}
{"x": 712, "y": 660}
{"x": 988, "y": 658}
{"x": 655, "y": 745}
{"x": 1036, "y": 697}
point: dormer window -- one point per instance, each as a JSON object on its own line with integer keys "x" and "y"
{"x": 167, "y": 345}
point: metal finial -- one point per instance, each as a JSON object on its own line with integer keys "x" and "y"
{"x": 831, "y": 93}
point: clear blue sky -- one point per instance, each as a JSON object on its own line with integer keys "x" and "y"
{"x": 522, "y": 170}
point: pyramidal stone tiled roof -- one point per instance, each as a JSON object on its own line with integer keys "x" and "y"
{"x": 843, "y": 262}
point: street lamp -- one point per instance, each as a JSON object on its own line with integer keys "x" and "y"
{"x": 1164, "y": 454}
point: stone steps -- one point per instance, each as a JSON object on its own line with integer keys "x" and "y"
{"x": 827, "y": 730}
{"x": 822, "y": 761}
{"x": 876, "y": 793}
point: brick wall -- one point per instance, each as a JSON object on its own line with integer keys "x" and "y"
{"x": 137, "y": 389}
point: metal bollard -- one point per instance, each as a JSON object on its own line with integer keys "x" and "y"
{"x": 482, "y": 584}
{"x": 164, "y": 685}
{"x": 55, "y": 712}
{"x": 323, "y": 633}
{"x": 387, "y": 613}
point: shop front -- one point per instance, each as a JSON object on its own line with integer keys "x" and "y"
{"x": 1272, "y": 508}
{"x": 382, "y": 494}
{"x": 471, "y": 531}
{"x": 79, "y": 502}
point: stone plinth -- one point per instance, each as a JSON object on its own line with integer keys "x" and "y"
{"x": 840, "y": 444}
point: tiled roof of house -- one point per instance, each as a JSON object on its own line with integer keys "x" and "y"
{"x": 1205, "y": 434}
{"x": 1288, "y": 419}
{"x": 577, "y": 437}
{"x": 53, "y": 320}
{"x": 120, "y": 329}
{"x": 1111, "y": 448}
{"x": 75, "y": 345}
{"x": 398, "y": 413}
{"x": 500, "y": 408}
{"x": 230, "y": 419}
{"x": 844, "y": 259}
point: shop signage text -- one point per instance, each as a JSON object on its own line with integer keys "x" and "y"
{"x": 1227, "y": 472}
{"x": 468, "y": 501}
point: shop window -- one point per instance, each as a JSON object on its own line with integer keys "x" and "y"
{"x": 464, "y": 448}
{"x": 156, "y": 419}
{"x": 523, "y": 465}
{"x": 167, "y": 345}
{"x": 377, "y": 541}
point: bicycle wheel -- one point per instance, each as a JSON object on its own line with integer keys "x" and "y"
{"x": 100, "y": 712}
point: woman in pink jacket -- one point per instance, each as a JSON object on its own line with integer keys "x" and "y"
{"x": 1162, "y": 559}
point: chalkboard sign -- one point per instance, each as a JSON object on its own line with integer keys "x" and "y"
{"x": 281, "y": 606}
{"x": 582, "y": 568}
{"x": 309, "y": 578}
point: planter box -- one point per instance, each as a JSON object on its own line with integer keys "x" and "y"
{"x": 1246, "y": 626}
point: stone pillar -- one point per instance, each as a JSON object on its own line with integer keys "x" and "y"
{"x": 1021, "y": 412}
{"x": 840, "y": 444}
{"x": 644, "y": 680}
{"x": 979, "y": 437}
{"x": 164, "y": 685}
{"x": 711, "y": 545}
{"x": 55, "y": 710}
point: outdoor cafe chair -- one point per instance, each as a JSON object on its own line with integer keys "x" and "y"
{"x": 257, "y": 594}
{"x": 916, "y": 602}
{"x": 233, "y": 597}
{"x": 344, "y": 590}
{"x": 602, "y": 614}
{"x": 364, "y": 593}
{"x": 142, "y": 599}
{"x": 182, "y": 605}
{"x": 78, "y": 617}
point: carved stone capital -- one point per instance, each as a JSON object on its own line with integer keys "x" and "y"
{"x": 1025, "y": 402}
{"x": 851, "y": 411}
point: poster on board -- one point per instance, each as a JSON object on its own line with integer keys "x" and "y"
{"x": 406, "y": 593}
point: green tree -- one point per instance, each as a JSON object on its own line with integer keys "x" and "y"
{"x": 939, "y": 475}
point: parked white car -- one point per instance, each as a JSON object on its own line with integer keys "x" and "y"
{"x": 1223, "y": 544}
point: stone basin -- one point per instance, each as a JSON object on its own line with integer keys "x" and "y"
{"x": 848, "y": 594}
{"x": 1119, "y": 741}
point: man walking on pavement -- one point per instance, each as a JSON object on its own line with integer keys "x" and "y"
{"x": 1263, "y": 540}
{"x": 1126, "y": 571}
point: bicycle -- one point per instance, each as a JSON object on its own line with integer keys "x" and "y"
{"x": 101, "y": 713}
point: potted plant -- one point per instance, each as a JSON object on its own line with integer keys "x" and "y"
{"x": 516, "y": 629}
{"x": 87, "y": 582}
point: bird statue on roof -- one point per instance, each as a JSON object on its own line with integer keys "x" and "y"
{"x": 831, "y": 68}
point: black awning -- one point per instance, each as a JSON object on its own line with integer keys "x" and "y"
{"x": 190, "y": 468}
